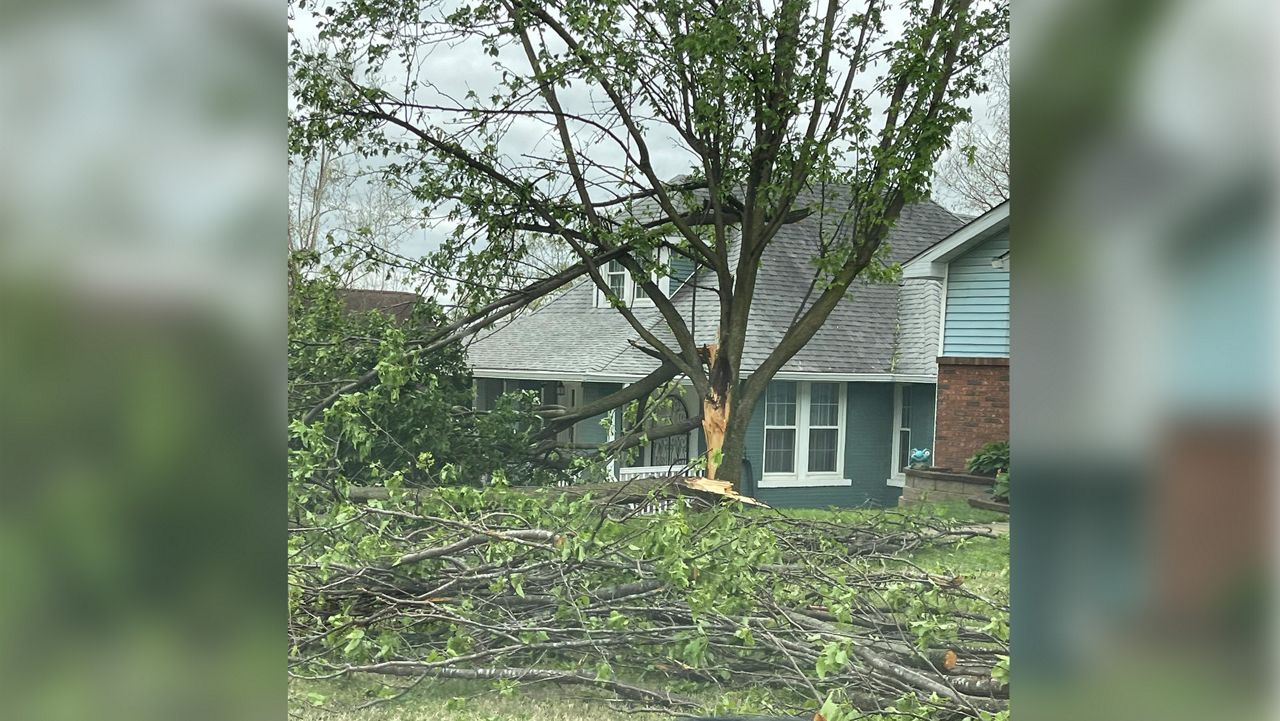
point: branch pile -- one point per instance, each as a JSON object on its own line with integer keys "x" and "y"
{"x": 681, "y": 611}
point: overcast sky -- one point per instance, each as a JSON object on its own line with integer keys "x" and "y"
{"x": 455, "y": 70}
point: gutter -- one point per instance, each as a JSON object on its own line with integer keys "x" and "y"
{"x": 587, "y": 377}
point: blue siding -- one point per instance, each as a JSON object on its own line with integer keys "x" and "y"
{"x": 590, "y": 430}
{"x": 754, "y": 447}
{"x": 868, "y": 447}
{"x": 867, "y": 450}
{"x": 977, "y": 314}
{"x": 681, "y": 272}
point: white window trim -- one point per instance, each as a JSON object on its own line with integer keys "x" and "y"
{"x": 663, "y": 282}
{"x": 896, "y": 477}
{"x": 802, "y": 478}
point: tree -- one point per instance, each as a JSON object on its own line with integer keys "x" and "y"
{"x": 351, "y": 218}
{"x": 590, "y": 108}
{"x": 415, "y": 427}
{"x": 974, "y": 172}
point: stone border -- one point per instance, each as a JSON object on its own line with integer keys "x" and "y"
{"x": 932, "y": 485}
{"x": 988, "y": 503}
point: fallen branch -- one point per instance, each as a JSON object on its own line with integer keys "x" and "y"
{"x": 507, "y": 584}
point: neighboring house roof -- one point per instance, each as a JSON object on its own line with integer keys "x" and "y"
{"x": 570, "y": 338}
{"x": 932, "y": 261}
{"x": 393, "y": 302}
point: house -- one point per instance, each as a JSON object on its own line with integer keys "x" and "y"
{"x": 395, "y": 303}
{"x": 838, "y": 421}
{"x": 969, "y": 270}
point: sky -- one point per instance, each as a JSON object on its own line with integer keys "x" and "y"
{"x": 454, "y": 70}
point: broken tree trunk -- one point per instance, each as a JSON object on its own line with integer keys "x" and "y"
{"x": 715, "y": 410}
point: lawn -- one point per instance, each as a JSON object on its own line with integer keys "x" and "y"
{"x": 983, "y": 563}
{"x": 433, "y": 700}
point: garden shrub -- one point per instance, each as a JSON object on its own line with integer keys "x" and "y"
{"x": 990, "y": 459}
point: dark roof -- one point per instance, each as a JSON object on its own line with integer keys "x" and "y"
{"x": 570, "y": 336}
{"x": 394, "y": 302}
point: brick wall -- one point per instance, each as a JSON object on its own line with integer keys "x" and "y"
{"x": 973, "y": 407}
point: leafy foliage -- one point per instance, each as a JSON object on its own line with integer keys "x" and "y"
{"x": 990, "y": 459}
{"x": 415, "y": 425}
{"x": 1001, "y": 489}
{"x": 679, "y": 609}
{"x": 763, "y": 114}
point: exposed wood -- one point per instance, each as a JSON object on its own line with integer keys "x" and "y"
{"x": 715, "y": 414}
{"x": 718, "y": 488}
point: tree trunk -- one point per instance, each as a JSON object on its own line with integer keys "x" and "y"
{"x": 733, "y": 442}
{"x": 732, "y": 453}
{"x": 726, "y": 414}
{"x": 715, "y": 425}
{"x": 716, "y": 412}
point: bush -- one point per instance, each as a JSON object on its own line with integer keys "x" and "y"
{"x": 414, "y": 424}
{"x": 1001, "y": 489}
{"x": 990, "y": 459}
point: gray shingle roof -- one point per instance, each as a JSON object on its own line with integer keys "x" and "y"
{"x": 569, "y": 335}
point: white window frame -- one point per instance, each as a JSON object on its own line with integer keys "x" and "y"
{"x": 801, "y": 477}
{"x": 896, "y": 476}
{"x": 629, "y": 294}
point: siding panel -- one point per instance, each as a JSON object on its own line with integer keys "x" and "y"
{"x": 754, "y": 450}
{"x": 681, "y": 269}
{"x": 976, "y": 322}
{"x": 590, "y": 430}
{"x": 868, "y": 446}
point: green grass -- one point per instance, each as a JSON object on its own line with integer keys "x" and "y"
{"x": 453, "y": 700}
{"x": 982, "y": 562}
{"x": 959, "y": 512}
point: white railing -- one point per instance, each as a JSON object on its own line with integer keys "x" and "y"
{"x": 634, "y": 472}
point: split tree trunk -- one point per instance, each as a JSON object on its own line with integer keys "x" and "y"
{"x": 725, "y": 417}
{"x": 715, "y": 425}
{"x": 715, "y": 412}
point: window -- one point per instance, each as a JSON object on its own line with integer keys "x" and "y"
{"x": 488, "y": 390}
{"x": 780, "y": 428}
{"x": 824, "y": 427}
{"x": 803, "y": 434}
{"x": 627, "y": 290}
{"x": 567, "y": 396}
{"x": 616, "y": 276}
{"x": 672, "y": 451}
